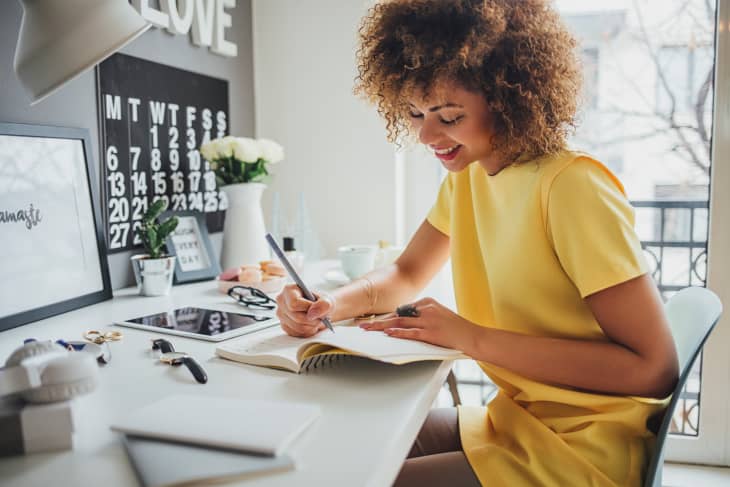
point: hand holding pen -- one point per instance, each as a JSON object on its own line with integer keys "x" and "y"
{"x": 302, "y": 314}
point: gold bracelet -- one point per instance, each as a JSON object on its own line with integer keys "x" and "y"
{"x": 372, "y": 293}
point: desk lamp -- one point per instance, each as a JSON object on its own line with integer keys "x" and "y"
{"x": 60, "y": 39}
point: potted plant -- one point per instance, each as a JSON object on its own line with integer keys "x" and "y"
{"x": 241, "y": 169}
{"x": 154, "y": 269}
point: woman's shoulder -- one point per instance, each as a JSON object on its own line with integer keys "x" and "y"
{"x": 571, "y": 169}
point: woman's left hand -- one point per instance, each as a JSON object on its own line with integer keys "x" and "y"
{"x": 435, "y": 324}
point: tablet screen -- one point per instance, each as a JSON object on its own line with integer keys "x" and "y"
{"x": 200, "y": 321}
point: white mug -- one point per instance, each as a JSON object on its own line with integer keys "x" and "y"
{"x": 357, "y": 260}
{"x": 387, "y": 255}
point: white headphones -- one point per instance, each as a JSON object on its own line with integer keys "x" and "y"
{"x": 46, "y": 372}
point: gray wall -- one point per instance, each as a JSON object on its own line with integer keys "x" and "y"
{"x": 75, "y": 104}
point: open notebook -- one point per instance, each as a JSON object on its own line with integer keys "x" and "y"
{"x": 273, "y": 348}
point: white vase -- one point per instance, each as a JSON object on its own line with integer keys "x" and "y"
{"x": 244, "y": 233}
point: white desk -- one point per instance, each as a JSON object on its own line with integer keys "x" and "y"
{"x": 371, "y": 412}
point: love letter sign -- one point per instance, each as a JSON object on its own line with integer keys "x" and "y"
{"x": 207, "y": 19}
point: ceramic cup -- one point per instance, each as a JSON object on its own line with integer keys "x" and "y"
{"x": 357, "y": 260}
{"x": 387, "y": 255}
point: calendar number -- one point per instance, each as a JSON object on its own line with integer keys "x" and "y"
{"x": 139, "y": 183}
{"x": 118, "y": 233}
{"x": 112, "y": 161}
{"x": 211, "y": 201}
{"x": 179, "y": 202}
{"x": 118, "y": 210}
{"x": 195, "y": 201}
{"x": 156, "y": 159}
{"x": 116, "y": 184}
{"x": 134, "y": 153}
{"x": 139, "y": 207}
{"x": 136, "y": 240}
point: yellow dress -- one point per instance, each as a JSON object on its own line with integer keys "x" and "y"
{"x": 527, "y": 245}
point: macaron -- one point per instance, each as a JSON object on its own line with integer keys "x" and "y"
{"x": 229, "y": 275}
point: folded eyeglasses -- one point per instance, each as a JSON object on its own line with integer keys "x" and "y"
{"x": 252, "y": 298}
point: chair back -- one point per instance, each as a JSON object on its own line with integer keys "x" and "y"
{"x": 692, "y": 314}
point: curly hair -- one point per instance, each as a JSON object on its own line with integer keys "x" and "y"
{"x": 516, "y": 53}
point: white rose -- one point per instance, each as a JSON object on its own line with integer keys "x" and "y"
{"x": 225, "y": 146}
{"x": 246, "y": 150}
{"x": 271, "y": 152}
{"x": 209, "y": 150}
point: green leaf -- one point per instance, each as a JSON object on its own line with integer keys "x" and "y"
{"x": 155, "y": 209}
{"x": 166, "y": 228}
{"x": 152, "y": 243}
{"x": 238, "y": 167}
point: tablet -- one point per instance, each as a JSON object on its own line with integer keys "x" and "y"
{"x": 205, "y": 324}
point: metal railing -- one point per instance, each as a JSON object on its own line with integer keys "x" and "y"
{"x": 676, "y": 228}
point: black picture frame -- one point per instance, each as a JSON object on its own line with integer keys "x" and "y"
{"x": 53, "y": 255}
{"x": 190, "y": 243}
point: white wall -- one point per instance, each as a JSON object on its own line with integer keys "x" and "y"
{"x": 336, "y": 150}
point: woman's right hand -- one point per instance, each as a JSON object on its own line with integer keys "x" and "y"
{"x": 300, "y": 317}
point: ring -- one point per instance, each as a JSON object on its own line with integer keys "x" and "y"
{"x": 408, "y": 310}
{"x": 99, "y": 337}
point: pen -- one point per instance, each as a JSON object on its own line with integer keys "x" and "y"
{"x": 298, "y": 280}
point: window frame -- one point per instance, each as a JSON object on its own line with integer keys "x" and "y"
{"x": 712, "y": 444}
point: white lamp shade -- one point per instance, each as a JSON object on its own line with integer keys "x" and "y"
{"x": 60, "y": 39}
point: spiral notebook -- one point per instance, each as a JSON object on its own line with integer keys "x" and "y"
{"x": 273, "y": 348}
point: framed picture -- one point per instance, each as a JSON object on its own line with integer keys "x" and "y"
{"x": 190, "y": 243}
{"x": 52, "y": 250}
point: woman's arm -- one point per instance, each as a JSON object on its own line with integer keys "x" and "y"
{"x": 639, "y": 358}
{"x": 382, "y": 290}
{"x": 379, "y": 291}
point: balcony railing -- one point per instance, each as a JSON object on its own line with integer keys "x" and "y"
{"x": 674, "y": 237}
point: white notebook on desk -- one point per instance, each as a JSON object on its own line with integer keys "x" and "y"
{"x": 166, "y": 464}
{"x": 262, "y": 427}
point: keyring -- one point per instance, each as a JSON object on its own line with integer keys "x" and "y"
{"x": 407, "y": 310}
{"x": 99, "y": 337}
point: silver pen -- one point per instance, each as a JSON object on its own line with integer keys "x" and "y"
{"x": 293, "y": 273}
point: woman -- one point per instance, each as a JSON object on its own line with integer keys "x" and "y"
{"x": 553, "y": 296}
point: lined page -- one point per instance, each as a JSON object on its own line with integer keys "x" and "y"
{"x": 379, "y": 345}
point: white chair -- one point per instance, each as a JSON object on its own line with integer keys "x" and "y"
{"x": 692, "y": 313}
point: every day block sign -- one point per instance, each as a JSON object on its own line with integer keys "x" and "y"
{"x": 153, "y": 118}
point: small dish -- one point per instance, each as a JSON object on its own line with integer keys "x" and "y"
{"x": 270, "y": 286}
{"x": 336, "y": 277}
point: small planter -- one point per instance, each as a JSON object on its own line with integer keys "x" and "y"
{"x": 154, "y": 276}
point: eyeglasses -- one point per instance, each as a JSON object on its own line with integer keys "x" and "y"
{"x": 251, "y": 297}
{"x": 171, "y": 357}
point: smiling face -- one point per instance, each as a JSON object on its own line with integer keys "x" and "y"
{"x": 456, "y": 125}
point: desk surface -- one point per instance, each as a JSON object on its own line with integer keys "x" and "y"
{"x": 371, "y": 412}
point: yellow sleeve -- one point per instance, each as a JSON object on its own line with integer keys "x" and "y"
{"x": 440, "y": 214}
{"x": 591, "y": 226}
